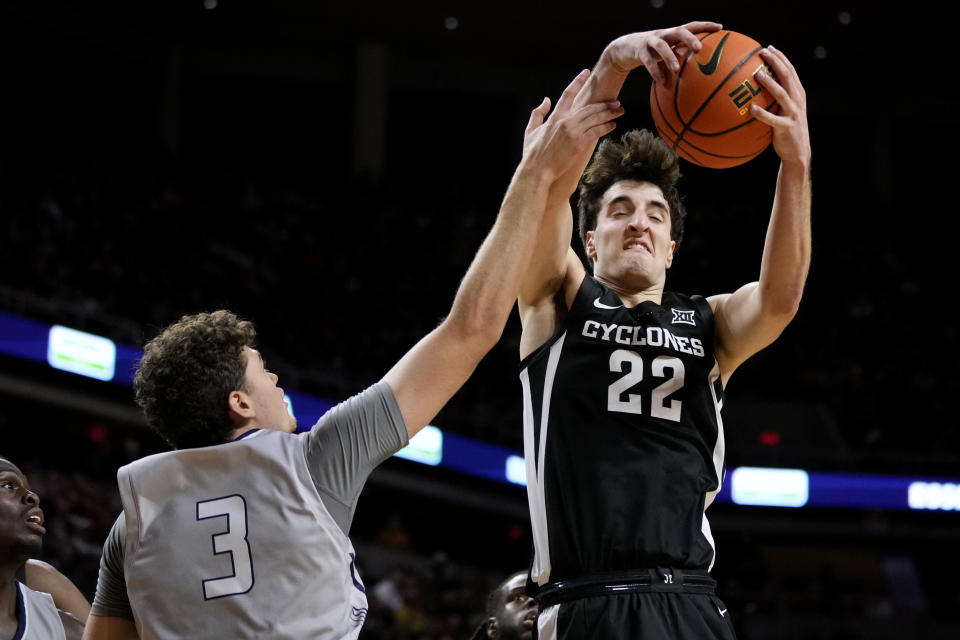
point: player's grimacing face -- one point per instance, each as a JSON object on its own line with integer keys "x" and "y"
{"x": 632, "y": 235}
{"x": 267, "y": 398}
{"x": 21, "y": 519}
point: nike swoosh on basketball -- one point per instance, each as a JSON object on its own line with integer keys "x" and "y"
{"x": 710, "y": 67}
{"x": 600, "y": 305}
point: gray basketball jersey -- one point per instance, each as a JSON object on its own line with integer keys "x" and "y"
{"x": 38, "y": 616}
{"x": 234, "y": 541}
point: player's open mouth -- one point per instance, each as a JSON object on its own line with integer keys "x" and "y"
{"x": 35, "y": 520}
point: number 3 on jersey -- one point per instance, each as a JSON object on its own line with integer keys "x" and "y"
{"x": 629, "y": 362}
{"x": 232, "y": 541}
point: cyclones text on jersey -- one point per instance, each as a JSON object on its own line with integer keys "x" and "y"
{"x": 638, "y": 335}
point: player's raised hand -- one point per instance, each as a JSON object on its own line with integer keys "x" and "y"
{"x": 555, "y": 142}
{"x": 791, "y": 135}
{"x": 659, "y": 51}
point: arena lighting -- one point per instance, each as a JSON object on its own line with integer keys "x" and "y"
{"x": 82, "y": 353}
{"x": 937, "y": 496}
{"x": 426, "y": 447}
{"x": 770, "y": 487}
{"x": 754, "y": 487}
{"x": 516, "y": 470}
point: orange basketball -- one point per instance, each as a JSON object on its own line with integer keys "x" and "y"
{"x": 705, "y": 116}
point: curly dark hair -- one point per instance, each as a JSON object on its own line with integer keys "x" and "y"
{"x": 641, "y": 156}
{"x": 186, "y": 374}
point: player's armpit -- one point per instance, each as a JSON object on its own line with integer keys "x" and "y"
{"x": 72, "y": 627}
{"x": 109, "y": 628}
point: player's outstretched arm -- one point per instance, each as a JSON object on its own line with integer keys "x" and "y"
{"x": 41, "y": 576}
{"x": 754, "y": 316}
{"x": 659, "y": 51}
{"x": 109, "y": 628}
{"x": 552, "y": 261}
{"x": 437, "y": 366}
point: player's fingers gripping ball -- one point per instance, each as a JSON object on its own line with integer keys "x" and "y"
{"x": 705, "y": 116}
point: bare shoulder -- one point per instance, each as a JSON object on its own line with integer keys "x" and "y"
{"x": 44, "y": 577}
{"x": 716, "y": 301}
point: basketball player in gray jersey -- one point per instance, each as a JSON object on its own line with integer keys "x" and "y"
{"x": 242, "y": 531}
{"x": 623, "y": 381}
{"x": 25, "y": 614}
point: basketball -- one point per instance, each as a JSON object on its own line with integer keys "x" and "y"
{"x": 705, "y": 117}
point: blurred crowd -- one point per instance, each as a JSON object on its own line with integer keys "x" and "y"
{"x": 343, "y": 276}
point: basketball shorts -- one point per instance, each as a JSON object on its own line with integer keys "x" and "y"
{"x": 647, "y": 604}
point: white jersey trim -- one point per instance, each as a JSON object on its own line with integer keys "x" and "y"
{"x": 719, "y": 452}
{"x": 26, "y": 610}
{"x": 540, "y": 569}
{"x": 547, "y": 623}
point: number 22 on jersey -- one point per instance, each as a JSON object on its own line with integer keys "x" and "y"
{"x": 631, "y": 364}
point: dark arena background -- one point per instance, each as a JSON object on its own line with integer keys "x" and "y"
{"x": 328, "y": 170}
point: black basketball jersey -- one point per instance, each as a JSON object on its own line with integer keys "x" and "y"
{"x": 623, "y": 437}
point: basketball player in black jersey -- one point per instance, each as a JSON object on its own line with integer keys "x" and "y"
{"x": 623, "y": 380}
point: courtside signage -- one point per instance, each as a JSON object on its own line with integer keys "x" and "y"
{"x": 937, "y": 496}
{"x": 97, "y": 357}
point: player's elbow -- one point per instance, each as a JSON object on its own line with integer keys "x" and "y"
{"x": 477, "y": 332}
{"x": 485, "y": 335}
{"x": 783, "y": 301}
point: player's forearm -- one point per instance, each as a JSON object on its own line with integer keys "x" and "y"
{"x": 492, "y": 283}
{"x": 548, "y": 262}
{"x": 544, "y": 275}
{"x": 606, "y": 79}
{"x": 786, "y": 253}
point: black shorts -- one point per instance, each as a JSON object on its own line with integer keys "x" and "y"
{"x": 651, "y": 604}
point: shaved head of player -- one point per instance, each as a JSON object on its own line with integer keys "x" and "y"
{"x": 24, "y": 613}
{"x": 510, "y": 614}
